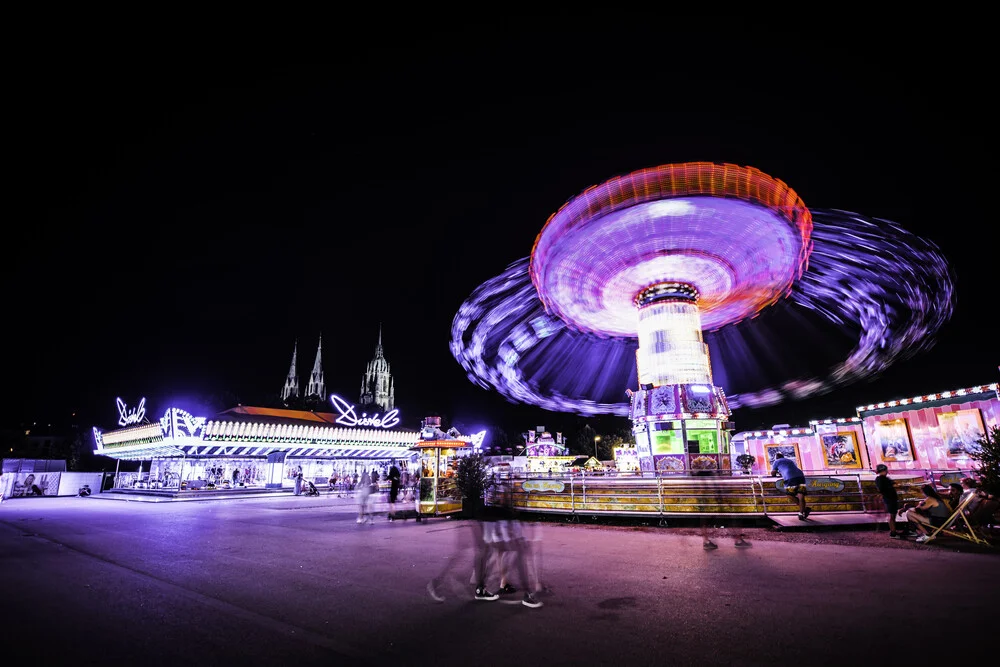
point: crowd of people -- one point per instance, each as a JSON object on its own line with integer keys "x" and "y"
{"x": 933, "y": 510}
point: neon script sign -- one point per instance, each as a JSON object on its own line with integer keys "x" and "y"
{"x": 134, "y": 416}
{"x": 348, "y": 417}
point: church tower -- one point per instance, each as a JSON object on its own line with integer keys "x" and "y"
{"x": 291, "y": 388}
{"x": 376, "y": 385}
{"x": 316, "y": 386}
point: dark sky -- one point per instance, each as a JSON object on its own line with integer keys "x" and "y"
{"x": 177, "y": 224}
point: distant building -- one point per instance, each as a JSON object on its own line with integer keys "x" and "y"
{"x": 291, "y": 388}
{"x": 315, "y": 388}
{"x": 376, "y": 384}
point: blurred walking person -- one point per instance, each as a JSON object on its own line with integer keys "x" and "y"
{"x": 512, "y": 551}
{"x": 364, "y": 489}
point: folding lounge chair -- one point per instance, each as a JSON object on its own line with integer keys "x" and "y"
{"x": 958, "y": 525}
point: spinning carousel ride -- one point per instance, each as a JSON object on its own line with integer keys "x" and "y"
{"x": 626, "y": 278}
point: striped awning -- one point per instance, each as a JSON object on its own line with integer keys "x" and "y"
{"x": 201, "y": 449}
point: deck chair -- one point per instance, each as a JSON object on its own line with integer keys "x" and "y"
{"x": 958, "y": 525}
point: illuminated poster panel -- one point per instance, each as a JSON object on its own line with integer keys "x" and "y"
{"x": 961, "y": 431}
{"x": 892, "y": 439}
{"x": 791, "y": 451}
{"x": 626, "y": 459}
{"x": 841, "y": 450}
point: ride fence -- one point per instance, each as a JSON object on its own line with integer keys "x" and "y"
{"x": 652, "y": 495}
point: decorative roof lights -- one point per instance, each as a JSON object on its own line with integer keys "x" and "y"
{"x": 784, "y": 432}
{"x": 839, "y": 420}
{"x": 944, "y": 395}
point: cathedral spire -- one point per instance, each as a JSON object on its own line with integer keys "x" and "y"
{"x": 377, "y": 387}
{"x": 291, "y": 388}
{"x": 317, "y": 386}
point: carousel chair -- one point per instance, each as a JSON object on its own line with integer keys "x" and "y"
{"x": 962, "y": 525}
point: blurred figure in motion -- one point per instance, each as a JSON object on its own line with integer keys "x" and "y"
{"x": 712, "y": 500}
{"x": 364, "y": 494}
{"x": 517, "y": 548}
{"x": 504, "y": 536}
{"x": 470, "y": 543}
{"x": 495, "y": 541}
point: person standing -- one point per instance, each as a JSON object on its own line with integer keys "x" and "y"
{"x": 795, "y": 481}
{"x": 394, "y": 478}
{"x": 298, "y": 482}
{"x": 887, "y": 488}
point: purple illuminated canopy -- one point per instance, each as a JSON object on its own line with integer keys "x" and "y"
{"x": 740, "y": 256}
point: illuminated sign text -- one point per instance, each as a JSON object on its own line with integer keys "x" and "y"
{"x": 348, "y": 417}
{"x": 133, "y": 416}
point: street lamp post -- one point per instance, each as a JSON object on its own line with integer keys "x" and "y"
{"x": 597, "y": 439}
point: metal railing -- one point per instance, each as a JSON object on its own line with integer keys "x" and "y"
{"x": 653, "y": 494}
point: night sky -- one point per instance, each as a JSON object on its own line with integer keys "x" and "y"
{"x": 182, "y": 223}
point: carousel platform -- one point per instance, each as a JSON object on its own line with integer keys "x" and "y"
{"x": 828, "y": 519}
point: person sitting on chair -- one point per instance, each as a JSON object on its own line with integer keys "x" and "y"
{"x": 929, "y": 513}
{"x": 970, "y": 488}
{"x": 954, "y": 496}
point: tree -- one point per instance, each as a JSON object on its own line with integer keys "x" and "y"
{"x": 582, "y": 444}
{"x": 606, "y": 446}
{"x": 472, "y": 479}
{"x": 988, "y": 460}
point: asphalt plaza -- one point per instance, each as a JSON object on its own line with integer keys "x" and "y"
{"x": 295, "y": 580}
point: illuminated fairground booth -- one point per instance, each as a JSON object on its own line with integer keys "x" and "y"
{"x": 252, "y": 447}
{"x": 545, "y": 453}
{"x": 439, "y": 452}
{"x": 935, "y": 432}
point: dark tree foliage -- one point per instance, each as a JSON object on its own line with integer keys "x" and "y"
{"x": 472, "y": 476}
{"x": 988, "y": 461}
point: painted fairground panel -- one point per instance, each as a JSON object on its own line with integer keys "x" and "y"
{"x": 701, "y": 462}
{"x": 961, "y": 431}
{"x": 927, "y": 432}
{"x": 891, "y": 440}
{"x": 669, "y": 462}
{"x": 698, "y": 398}
{"x": 841, "y": 450}
{"x": 639, "y": 401}
{"x": 790, "y": 450}
{"x": 662, "y": 401}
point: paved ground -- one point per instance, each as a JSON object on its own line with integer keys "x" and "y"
{"x": 294, "y": 580}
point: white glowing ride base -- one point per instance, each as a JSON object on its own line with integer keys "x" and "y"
{"x": 679, "y": 416}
